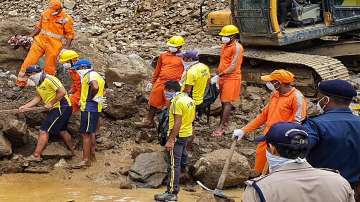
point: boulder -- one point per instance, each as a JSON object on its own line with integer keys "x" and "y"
{"x": 121, "y": 102}
{"x": 149, "y": 170}
{"x": 209, "y": 167}
{"x": 15, "y": 130}
{"x": 56, "y": 150}
{"x": 130, "y": 69}
{"x": 5, "y": 146}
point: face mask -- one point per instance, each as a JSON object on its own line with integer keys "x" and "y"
{"x": 270, "y": 86}
{"x": 67, "y": 66}
{"x": 276, "y": 161}
{"x": 173, "y": 49}
{"x": 56, "y": 12}
{"x": 187, "y": 65}
{"x": 36, "y": 78}
{"x": 225, "y": 39}
{"x": 170, "y": 95}
{"x": 82, "y": 72}
{"x": 321, "y": 108}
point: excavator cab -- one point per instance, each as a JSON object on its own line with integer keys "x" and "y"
{"x": 308, "y": 19}
{"x": 318, "y": 39}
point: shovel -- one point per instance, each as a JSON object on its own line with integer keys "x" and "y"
{"x": 15, "y": 111}
{"x": 219, "y": 188}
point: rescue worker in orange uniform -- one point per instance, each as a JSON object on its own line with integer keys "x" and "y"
{"x": 228, "y": 74}
{"x": 169, "y": 67}
{"x": 68, "y": 58}
{"x": 286, "y": 104}
{"x": 54, "y": 27}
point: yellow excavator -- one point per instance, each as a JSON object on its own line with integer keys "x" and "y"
{"x": 318, "y": 40}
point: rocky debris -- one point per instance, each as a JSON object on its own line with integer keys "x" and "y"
{"x": 15, "y": 130}
{"x": 208, "y": 169}
{"x": 124, "y": 106}
{"x": 149, "y": 170}
{"x": 127, "y": 26}
{"x": 61, "y": 164}
{"x": 130, "y": 70}
{"x": 5, "y": 146}
{"x": 55, "y": 150}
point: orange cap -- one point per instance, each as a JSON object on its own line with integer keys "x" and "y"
{"x": 55, "y": 5}
{"x": 281, "y": 75}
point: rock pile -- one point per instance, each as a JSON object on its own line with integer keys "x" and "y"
{"x": 128, "y": 26}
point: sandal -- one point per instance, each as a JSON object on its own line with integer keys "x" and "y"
{"x": 81, "y": 164}
{"x": 218, "y": 132}
{"x": 33, "y": 158}
{"x": 144, "y": 124}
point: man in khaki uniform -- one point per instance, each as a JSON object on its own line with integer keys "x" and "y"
{"x": 291, "y": 178}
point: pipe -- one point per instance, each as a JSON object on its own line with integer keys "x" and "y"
{"x": 273, "y": 16}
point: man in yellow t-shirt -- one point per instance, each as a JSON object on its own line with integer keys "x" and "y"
{"x": 181, "y": 117}
{"x": 53, "y": 94}
{"x": 196, "y": 78}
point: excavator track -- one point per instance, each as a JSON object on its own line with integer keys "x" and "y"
{"x": 309, "y": 70}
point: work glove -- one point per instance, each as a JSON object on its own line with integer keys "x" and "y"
{"x": 238, "y": 134}
{"x": 148, "y": 87}
{"x": 214, "y": 79}
{"x": 100, "y": 100}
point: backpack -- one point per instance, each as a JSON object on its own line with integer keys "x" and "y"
{"x": 211, "y": 94}
{"x": 163, "y": 126}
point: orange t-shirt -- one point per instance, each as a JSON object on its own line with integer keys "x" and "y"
{"x": 231, "y": 55}
{"x": 169, "y": 67}
{"x": 291, "y": 107}
{"x": 61, "y": 24}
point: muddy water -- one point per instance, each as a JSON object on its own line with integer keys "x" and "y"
{"x": 48, "y": 188}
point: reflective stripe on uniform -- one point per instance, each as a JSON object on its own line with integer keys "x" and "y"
{"x": 299, "y": 100}
{"x": 88, "y": 122}
{"x": 50, "y": 34}
{"x": 172, "y": 170}
{"x": 54, "y": 121}
{"x": 236, "y": 56}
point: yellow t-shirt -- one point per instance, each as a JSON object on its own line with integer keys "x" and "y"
{"x": 86, "y": 103}
{"x": 47, "y": 91}
{"x": 197, "y": 76}
{"x": 184, "y": 106}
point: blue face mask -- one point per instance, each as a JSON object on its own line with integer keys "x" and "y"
{"x": 170, "y": 95}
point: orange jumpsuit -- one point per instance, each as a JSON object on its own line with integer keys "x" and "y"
{"x": 289, "y": 107}
{"x": 169, "y": 67}
{"x": 230, "y": 84}
{"x": 49, "y": 41}
{"x": 75, "y": 90}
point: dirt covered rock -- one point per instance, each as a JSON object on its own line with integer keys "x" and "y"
{"x": 130, "y": 70}
{"x": 149, "y": 170}
{"x": 5, "y": 146}
{"x": 208, "y": 169}
{"x": 15, "y": 130}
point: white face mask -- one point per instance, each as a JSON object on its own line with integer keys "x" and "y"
{"x": 321, "y": 108}
{"x": 170, "y": 95}
{"x": 82, "y": 72}
{"x": 270, "y": 86}
{"x": 67, "y": 66}
{"x": 173, "y": 49}
{"x": 275, "y": 161}
{"x": 36, "y": 78}
{"x": 187, "y": 65}
{"x": 225, "y": 39}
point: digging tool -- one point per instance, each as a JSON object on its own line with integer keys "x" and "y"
{"x": 218, "y": 190}
{"x": 14, "y": 111}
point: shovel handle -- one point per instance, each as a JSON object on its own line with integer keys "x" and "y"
{"x": 225, "y": 170}
{"x": 14, "y": 111}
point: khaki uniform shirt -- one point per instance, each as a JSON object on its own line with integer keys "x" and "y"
{"x": 296, "y": 182}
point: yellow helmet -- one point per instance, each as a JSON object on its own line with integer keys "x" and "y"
{"x": 356, "y": 108}
{"x": 176, "y": 41}
{"x": 68, "y": 55}
{"x": 229, "y": 30}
